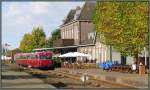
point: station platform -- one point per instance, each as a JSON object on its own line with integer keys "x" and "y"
{"x": 133, "y": 80}
{"x": 16, "y": 79}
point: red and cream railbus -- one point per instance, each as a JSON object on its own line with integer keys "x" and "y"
{"x": 41, "y": 60}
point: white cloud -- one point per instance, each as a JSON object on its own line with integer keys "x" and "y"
{"x": 13, "y": 10}
{"x": 23, "y": 16}
{"x": 16, "y": 9}
{"x": 23, "y": 19}
{"x": 38, "y": 7}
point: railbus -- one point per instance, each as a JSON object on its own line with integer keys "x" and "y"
{"x": 40, "y": 60}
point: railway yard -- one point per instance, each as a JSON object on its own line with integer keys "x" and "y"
{"x": 15, "y": 77}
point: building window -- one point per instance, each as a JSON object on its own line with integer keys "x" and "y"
{"x": 66, "y": 33}
{"x": 75, "y": 34}
{"x": 69, "y": 33}
{"x": 61, "y": 34}
{"x": 72, "y": 33}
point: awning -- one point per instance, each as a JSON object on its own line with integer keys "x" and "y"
{"x": 75, "y": 54}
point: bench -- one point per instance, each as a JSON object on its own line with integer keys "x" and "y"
{"x": 121, "y": 68}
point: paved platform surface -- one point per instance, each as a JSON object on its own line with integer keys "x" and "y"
{"x": 16, "y": 79}
{"x": 134, "y": 80}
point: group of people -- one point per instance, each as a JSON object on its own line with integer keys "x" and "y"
{"x": 131, "y": 68}
{"x": 135, "y": 67}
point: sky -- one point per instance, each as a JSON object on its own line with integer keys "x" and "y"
{"x": 19, "y": 18}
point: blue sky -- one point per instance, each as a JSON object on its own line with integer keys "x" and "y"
{"x": 19, "y": 18}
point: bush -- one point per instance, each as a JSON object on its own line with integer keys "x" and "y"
{"x": 56, "y": 61}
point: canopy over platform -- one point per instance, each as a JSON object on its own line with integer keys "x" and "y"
{"x": 75, "y": 54}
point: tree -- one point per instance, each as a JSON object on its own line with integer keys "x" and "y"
{"x": 123, "y": 25}
{"x": 26, "y": 43}
{"x": 37, "y": 39}
{"x": 54, "y": 36}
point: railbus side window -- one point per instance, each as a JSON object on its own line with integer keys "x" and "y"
{"x": 19, "y": 57}
{"x": 45, "y": 57}
{"x": 28, "y": 57}
{"x": 36, "y": 56}
{"x": 42, "y": 57}
{"x": 33, "y": 56}
{"x": 23, "y": 57}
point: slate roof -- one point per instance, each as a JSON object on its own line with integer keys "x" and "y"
{"x": 85, "y": 13}
{"x": 70, "y": 16}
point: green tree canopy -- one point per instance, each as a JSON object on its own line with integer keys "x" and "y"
{"x": 123, "y": 25}
{"x": 25, "y": 44}
{"x": 54, "y": 36}
{"x": 37, "y": 39}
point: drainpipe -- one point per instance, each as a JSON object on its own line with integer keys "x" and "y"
{"x": 79, "y": 33}
{"x": 95, "y": 53}
{"x": 145, "y": 55}
{"x": 105, "y": 54}
{"x": 110, "y": 53}
{"x": 102, "y": 55}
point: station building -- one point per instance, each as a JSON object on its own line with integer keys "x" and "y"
{"x": 78, "y": 34}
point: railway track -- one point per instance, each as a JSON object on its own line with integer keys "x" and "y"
{"x": 91, "y": 82}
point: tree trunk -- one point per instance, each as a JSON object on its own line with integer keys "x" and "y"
{"x": 136, "y": 59}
